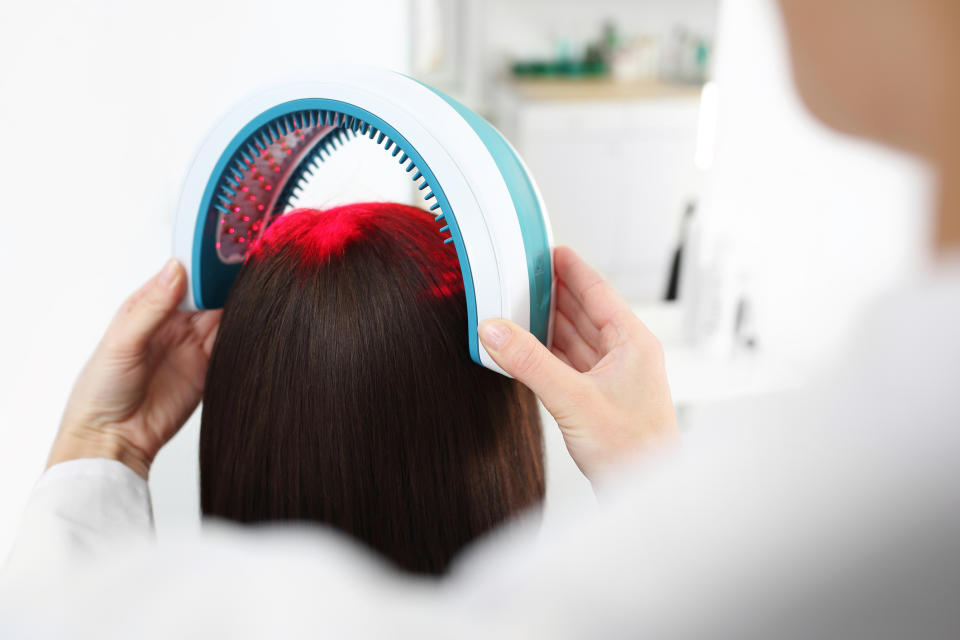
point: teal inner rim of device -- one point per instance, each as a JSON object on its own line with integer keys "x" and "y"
{"x": 213, "y": 279}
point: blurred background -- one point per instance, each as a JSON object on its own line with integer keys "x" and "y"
{"x": 665, "y": 136}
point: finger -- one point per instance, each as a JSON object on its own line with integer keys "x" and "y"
{"x": 210, "y": 340}
{"x": 569, "y": 306}
{"x": 568, "y": 339}
{"x": 557, "y": 351}
{"x": 206, "y": 322}
{"x": 599, "y": 299}
{"x": 146, "y": 310}
{"x": 519, "y": 353}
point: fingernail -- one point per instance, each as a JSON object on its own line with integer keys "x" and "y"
{"x": 168, "y": 274}
{"x": 494, "y": 334}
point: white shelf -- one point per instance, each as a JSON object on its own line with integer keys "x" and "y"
{"x": 552, "y": 89}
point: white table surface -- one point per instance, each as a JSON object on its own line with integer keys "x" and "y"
{"x": 701, "y": 374}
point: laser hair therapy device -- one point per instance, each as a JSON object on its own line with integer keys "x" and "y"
{"x": 252, "y": 164}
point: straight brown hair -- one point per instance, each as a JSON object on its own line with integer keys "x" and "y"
{"x": 340, "y": 391}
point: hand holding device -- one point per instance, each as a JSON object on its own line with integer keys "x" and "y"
{"x": 604, "y": 379}
{"x": 144, "y": 379}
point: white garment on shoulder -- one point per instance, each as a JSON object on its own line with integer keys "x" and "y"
{"x": 80, "y": 509}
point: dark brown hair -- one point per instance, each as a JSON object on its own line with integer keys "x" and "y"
{"x": 340, "y": 391}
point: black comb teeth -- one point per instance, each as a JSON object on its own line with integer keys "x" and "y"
{"x": 350, "y": 126}
{"x": 294, "y": 145}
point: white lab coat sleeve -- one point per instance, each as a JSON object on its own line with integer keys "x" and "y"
{"x": 78, "y": 510}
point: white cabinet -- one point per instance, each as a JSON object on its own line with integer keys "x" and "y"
{"x": 615, "y": 175}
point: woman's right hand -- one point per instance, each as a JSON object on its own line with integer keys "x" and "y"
{"x": 603, "y": 380}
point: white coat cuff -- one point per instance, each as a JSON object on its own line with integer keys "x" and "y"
{"x": 78, "y": 510}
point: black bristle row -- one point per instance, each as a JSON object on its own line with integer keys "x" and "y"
{"x": 344, "y": 126}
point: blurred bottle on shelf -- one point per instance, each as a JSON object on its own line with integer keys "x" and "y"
{"x": 685, "y": 57}
{"x": 681, "y": 58}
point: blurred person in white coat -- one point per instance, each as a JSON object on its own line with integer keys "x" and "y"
{"x": 840, "y": 518}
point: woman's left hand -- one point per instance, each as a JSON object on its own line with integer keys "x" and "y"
{"x": 144, "y": 379}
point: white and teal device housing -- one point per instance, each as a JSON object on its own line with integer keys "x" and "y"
{"x": 257, "y": 157}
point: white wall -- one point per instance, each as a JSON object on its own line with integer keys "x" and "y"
{"x": 101, "y": 106}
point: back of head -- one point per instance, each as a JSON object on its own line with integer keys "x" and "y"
{"x": 340, "y": 391}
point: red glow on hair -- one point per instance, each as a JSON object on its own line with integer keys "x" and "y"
{"x": 318, "y": 236}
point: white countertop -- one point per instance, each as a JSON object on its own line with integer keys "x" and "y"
{"x": 700, "y": 375}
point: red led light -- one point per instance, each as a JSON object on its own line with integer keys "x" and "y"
{"x": 267, "y": 187}
{"x": 289, "y": 151}
{"x": 260, "y": 178}
{"x": 236, "y": 209}
{"x": 218, "y": 245}
{"x": 276, "y": 167}
{"x": 251, "y": 197}
{"x": 259, "y": 207}
{"x": 241, "y": 239}
{"x": 244, "y": 188}
{"x": 230, "y": 230}
{"x": 246, "y": 218}
{"x": 318, "y": 235}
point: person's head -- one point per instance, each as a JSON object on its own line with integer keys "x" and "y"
{"x": 340, "y": 390}
{"x": 882, "y": 69}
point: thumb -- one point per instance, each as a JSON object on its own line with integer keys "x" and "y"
{"x": 519, "y": 353}
{"x": 143, "y": 312}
